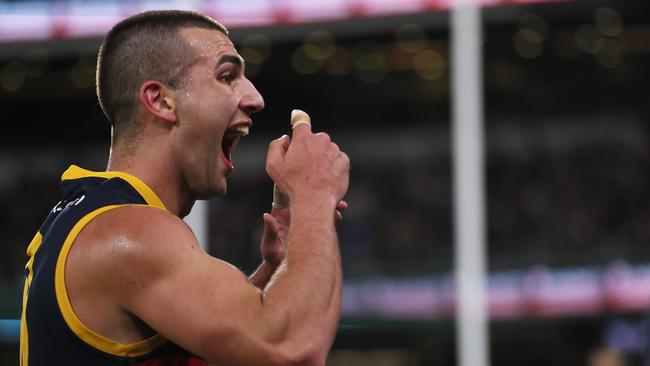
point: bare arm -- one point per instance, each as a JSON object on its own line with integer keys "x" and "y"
{"x": 313, "y": 273}
{"x": 314, "y": 173}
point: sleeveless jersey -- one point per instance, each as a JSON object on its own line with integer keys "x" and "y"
{"x": 50, "y": 332}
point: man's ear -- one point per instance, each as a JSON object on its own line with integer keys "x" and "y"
{"x": 159, "y": 100}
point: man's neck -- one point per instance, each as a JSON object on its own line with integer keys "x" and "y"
{"x": 158, "y": 173}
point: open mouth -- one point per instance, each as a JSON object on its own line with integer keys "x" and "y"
{"x": 229, "y": 142}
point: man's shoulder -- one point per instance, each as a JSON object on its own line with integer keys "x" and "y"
{"x": 133, "y": 233}
{"x": 138, "y": 218}
{"x": 115, "y": 257}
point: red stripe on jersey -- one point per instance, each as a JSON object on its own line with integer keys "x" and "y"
{"x": 181, "y": 360}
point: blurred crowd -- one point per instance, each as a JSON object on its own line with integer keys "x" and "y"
{"x": 572, "y": 204}
{"x": 26, "y": 196}
{"x": 579, "y": 204}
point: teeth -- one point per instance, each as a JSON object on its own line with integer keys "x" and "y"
{"x": 236, "y": 132}
{"x": 243, "y": 130}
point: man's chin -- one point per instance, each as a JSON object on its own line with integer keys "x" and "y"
{"x": 213, "y": 191}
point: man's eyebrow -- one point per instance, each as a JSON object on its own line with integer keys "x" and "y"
{"x": 230, "y": 59}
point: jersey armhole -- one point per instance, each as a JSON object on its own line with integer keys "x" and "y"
{"x": 84, "y": 333}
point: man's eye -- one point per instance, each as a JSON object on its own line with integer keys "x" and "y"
{"x": 227, "y": 77}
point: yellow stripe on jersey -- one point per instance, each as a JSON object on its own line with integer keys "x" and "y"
{"x": 24, "y": 339}
{"x": 75, "y": 172}
{"x": 87, "y": 335}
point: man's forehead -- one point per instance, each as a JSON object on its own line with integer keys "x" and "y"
{"x": 207, "y": 41}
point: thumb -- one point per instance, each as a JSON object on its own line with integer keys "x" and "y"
{"x": 277, "y": 150}
{"x": 301, "y": 128}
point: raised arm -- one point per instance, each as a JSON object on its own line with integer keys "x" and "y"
{"x": 313, "y": 172}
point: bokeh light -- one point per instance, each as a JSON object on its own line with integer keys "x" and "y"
{"x": 535, "y": 24}
{"x": 319, "y": 45}
{"x": 339, "y": 63}
{"x": 411, "y": 38}
{"x": 261, "y": 44}
{"x": 609, "y": 53}
{"x": 586, "y": 38}
{"x": 13, "y": 76}
{"x": 609, "y": 22}
{"x": 370, "y": 62}
{"x": 528, "y": 43}
{"x": 256, "y": 49}
{"x": 304, "y": 64}
{"x": 429, "y": 64}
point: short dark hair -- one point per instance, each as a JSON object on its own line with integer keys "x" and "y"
{"x": 146, "y": 46}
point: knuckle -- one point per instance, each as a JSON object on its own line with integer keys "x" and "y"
{"x": 323, "y": 136}
{"x": 346, "y": 158}
{"x": 273, "y": 147}
{"x": 270, "y": 168}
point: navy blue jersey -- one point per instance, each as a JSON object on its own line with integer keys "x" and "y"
{"x": 51, "y": 333}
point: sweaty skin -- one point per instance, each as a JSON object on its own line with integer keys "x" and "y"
{"x": 135, "y": 271}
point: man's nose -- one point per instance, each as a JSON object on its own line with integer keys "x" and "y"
{"x": 251, "y": 101}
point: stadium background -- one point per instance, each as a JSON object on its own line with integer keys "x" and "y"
{"x": 567, "y": 116}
